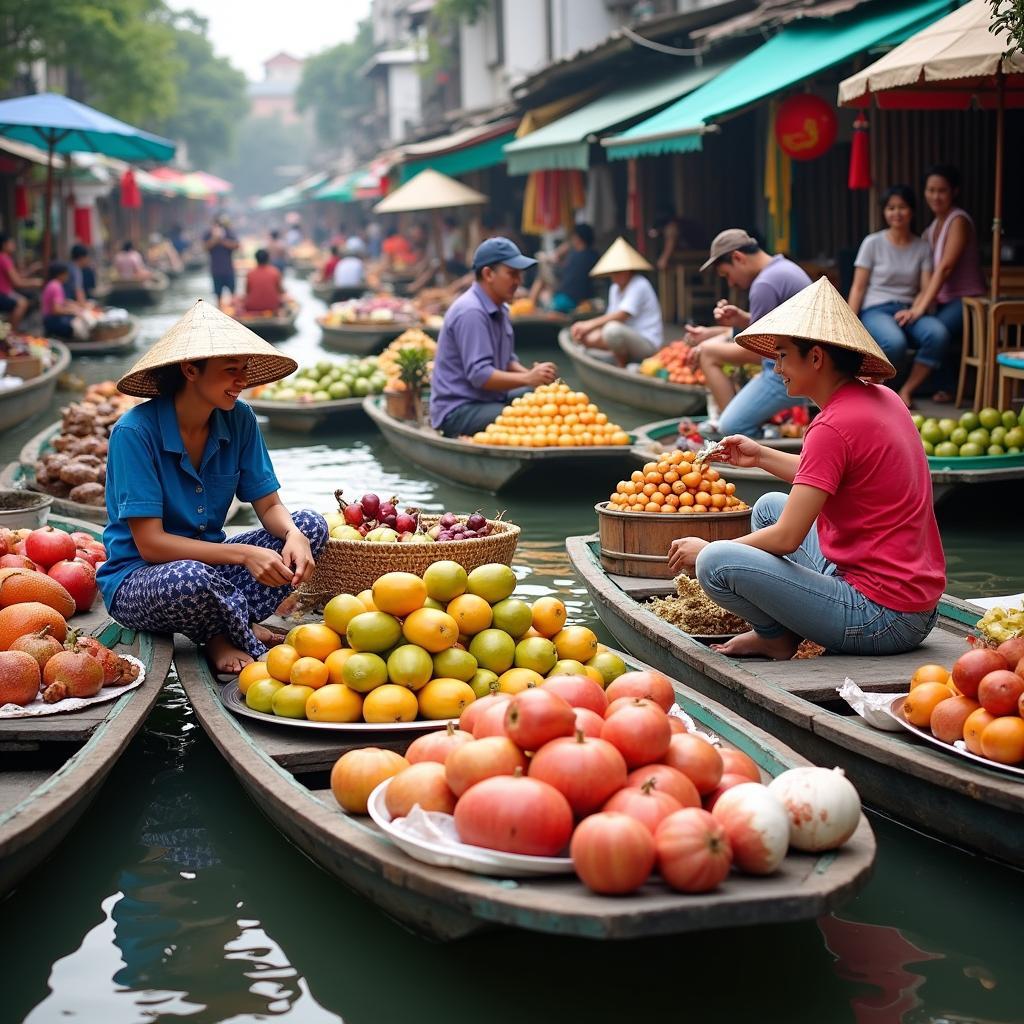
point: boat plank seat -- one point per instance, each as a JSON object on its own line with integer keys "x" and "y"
{"x": 67, "y": 727}
{"x": 17, "y": 786}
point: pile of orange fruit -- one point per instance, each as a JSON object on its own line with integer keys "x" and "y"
{"x": 555, "y": 416}
{"x": 672, "y": 363}
{"x": 675, "y": 485}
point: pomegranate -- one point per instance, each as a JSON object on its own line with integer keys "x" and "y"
{"x": 515, "y": 814}
{"x": 41, "y": 645}
{"x": 353, "y": 514}
{"x": 735, "y": 762}
{"x": 482, "y": 759}
{"x": 652, "y": 685}
{"x": 357, "y": 773}
{"x": 647, "y": 804}
{"x": 19, "y": 678}
{"x": 586, "y": 771}
{"x": 48, "y": 545}
{"x": 579, "y": 691}
{"x": 91, "y": 554}
{"x": 612, "y": 853}
{"x": 78, "y": 579}
{"x": 473, "y": 710}
{"x": 82, "y": 539}
{"x": 589, "y": 721}
{"x": 640, "y": 731}
{"x": 72, "y": 673}
{"x": 112, "y": 665}
{"x": 970, "y": 668}
{"x": 423, "y": 784}
{"x": 436, "y": 746}
{"x": 697, "y": 759}
{"x": 728, "y": 781}
{"x": 693, "y": 850}
{"x": 13, "y": 561}
{"x": 667, "y": 780}
{"x": 535, "y": 716}
{"x": 757, "y": 826}
{"x": 490, "y": 722}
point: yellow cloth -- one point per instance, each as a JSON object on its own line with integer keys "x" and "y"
{"x": 778, "y": 191}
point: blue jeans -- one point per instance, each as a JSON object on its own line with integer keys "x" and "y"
{"x": 472, "y": 417}
{"x": 804, "y": 593}
{"x": 222, "y": 281}
{"x": 929, "y": 334}
{"x": 757, "y": 402}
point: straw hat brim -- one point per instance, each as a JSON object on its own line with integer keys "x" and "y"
{"x": 818, "y": 313}
{"x": 618, "y": 257}
{"x": 204, "y": 332}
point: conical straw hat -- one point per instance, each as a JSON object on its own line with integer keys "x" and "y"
{"x": 429, "y": 190}
{"x": 619, "y": 256}
{"x": 818, "y": 313}
{"x": 204, "y": 332}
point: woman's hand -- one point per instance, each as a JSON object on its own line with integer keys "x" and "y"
{"x": 737, "y": 450}
{"x": 266, "y": 566}
{"x": 905, "y": 317}
{"x": 682, "y": 554}
{"x": 297, "y": 555}
{"x": 579, "y": 330}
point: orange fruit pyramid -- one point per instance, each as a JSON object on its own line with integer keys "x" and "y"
{"x": 555, "y": 416}
{"x": 675, "y": 485}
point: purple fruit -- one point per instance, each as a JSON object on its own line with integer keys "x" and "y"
{"x": 389, "y": 520}
{"x": 444, "y": 535}
{"x": 447, "y": 521}
{"x": 387, "y": 509}
{"x": 371, "y": 505}
{"x": 476, "y": 521}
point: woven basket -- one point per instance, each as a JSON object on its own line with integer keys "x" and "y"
{"x": 350, "y": 566}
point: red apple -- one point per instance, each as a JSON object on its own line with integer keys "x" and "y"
{"x": 47, "y": 546}
{"x": 81, "y": 538}
{"x": 970, "y": 668}
{"x": 79, "y": 580}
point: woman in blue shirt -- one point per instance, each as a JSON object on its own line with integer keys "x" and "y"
{"x": 173, "y": 466}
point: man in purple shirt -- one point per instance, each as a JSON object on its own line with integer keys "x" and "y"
{"x": 476, "y": 372}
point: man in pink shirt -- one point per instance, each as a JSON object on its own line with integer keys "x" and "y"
{"x": 12, "y": 303}
{"x": 837, "y": 561}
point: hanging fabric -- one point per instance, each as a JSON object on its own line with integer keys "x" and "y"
{"x": 131, "y": 198}
{"x": 778, "y": 190}
{"x": 83, "y": 224}
{"x": 21, "y": 203}
{"x": 860, "y": 155}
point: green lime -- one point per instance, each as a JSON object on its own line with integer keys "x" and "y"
{"x": 996, "y": 449}
{"x": 971, "y": 450}
{"x": 970, "y": 421}
{"x": 979, "y": 437}
{"x": 947, "y": 426}
{"x": 931, "y": 433}
{"x": 947, "y": 450}
{"x": 989, "y": 417}
{"x": 959, "y": 436}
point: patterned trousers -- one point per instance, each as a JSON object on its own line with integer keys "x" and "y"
{"x": 203, "y": 601}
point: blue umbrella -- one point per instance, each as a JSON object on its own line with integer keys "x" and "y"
{"x": 61, "y": 125}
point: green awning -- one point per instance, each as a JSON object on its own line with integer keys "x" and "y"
{"x": 565, "y": 144}
{"x": 799, "y": 51}
{"x": 341, "y": 189}
{"x": 485, "y": 154}
{"x": 287, "y": 196}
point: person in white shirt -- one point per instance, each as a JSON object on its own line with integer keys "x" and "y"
{"x": 348, "y": 272}
{"x": 632, "y": 329}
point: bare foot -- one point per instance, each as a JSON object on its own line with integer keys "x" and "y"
{"x": 266, "y": 635}
{"x": 225, "y": 657}
{"x": 908, "y": 400}
{"x": 751, "y": 645}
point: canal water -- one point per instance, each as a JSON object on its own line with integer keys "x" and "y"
{"x": 175, "y": 899}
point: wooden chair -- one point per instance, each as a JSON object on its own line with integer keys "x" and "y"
{"x": 1005, "y": 333}
{"x": 1011, "y": 368}
{"x": 973, "y": 355}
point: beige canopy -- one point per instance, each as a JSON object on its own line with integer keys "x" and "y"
{"x": 950, "y": 65}
{"x": 429, "y": 190}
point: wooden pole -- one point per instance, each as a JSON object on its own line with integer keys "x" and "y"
{"x": 997, "y": 212}
{"x": 47, "y": 226}
{"x": 442, "y": 271}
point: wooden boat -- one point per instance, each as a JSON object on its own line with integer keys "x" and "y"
{"x": 22, "y": 403}
{"x": 329, "y": 292}
{"x": 53, "y": 766}
{"x": 751, "y": 484}
{"x": 360, "y": 339}
{"x": 915, "y": 783}
{"x": 22, "y": 474}
{"x": 489, "y": 467}
{"x": 285, "y": 772}
{"x": 303, "y": 417}
{"x": 118, "y": 292}
{"x": 107, "y": 341}
{"x": 947, "y": 474}
{"x": 607, "y": 380}
{"x": 278, "y": 327}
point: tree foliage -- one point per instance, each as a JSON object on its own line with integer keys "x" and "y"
{"x": 335, "y": 89}
{"x": 119, "y": 54}
{"x": 211, "y": 95}
{"x": 1008, "y": 16}
{"x": 250, "y": 170}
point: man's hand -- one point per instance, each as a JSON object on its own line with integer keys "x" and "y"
{"x": 695, "y": 335}
{"x": 682, "y": 554}
{"x": 541, "y": 373}
{"x": 579, "y": 330}
{"x": 728, "y": 315}
{"x": 266, "y": 566}
{"x": 297, "y": 554}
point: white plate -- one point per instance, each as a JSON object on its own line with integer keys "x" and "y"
{"x": 38, "y": 708}
{"x": 231, "y": 697}
{"x": 925, "y": 734}
{"x": 474, "y": 859}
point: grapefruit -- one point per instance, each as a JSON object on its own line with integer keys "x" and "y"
{"x": 260, "y": 695}
{"x": 30, "y": 617}
{"x": 280, "y": 660}
{"x": 513, "y": 616}
{"x": 316, "y": 640}
{"x": 444, "y": 698}
{"x": 537, "y": 653}
{"x": 390, "y": 703}
{"x": 577, "y": 642}
{"x": 949, "y": 716}
{"x": 445, "y": 580}
{"x": 335, "y": 662}
{"x": 609, "y": 664}
{"x": 340, "y": 610}
{"x": 493, "y": 649}
{"x": 548, "y": 616}
{"x": 399, "y": 593}
{"x": 515, "y": 680}
{"x": 455, "y": 663}
{"x": 483, "y": 681}
{"x": 410, "y": 666}
{"x": 432, "y": 630}
{"x": 472, "y": 613}
{"x": 290, "y": 701}
{"x": 373, "y": 631}
{"x": 334, "y": 703}
{"x": 363, "y": 672}
{"x": 493, "y": 582}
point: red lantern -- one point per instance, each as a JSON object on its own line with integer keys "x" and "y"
{"x": 21, "y": 205}
{"x": 805, "y": 126}
{"x": 83, "y": 224}
{"x": 131, "y": 198}
{"x": 860, "y": 156}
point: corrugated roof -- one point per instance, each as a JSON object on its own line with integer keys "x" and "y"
{"x": 772, "y": 14}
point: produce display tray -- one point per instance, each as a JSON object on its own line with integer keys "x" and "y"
{"x": 925, "y": 734}
{"x": 462, "y": 856}
{"x": 981, "y": 462}
{"x": 231, "y": 697}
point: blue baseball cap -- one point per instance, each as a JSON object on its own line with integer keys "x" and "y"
{"x": 501, "y": 250}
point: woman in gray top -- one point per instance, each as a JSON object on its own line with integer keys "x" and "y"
{"x": 892, "y": 268}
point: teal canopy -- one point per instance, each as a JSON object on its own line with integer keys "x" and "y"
{"x": 799, "y": 51}
{"x": 488, "y": 153}
{"x": 565, "y": 144}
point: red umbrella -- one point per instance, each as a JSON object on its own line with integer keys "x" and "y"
{"x": 131, "y": 197}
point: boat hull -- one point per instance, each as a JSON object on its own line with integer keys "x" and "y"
{"x": 360, "y": 339}
{"x": 107, "y": 346}
{"x": 633, "y": 389}
{"x": 22, "y": 403}
{"x": 916, "y": 785}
